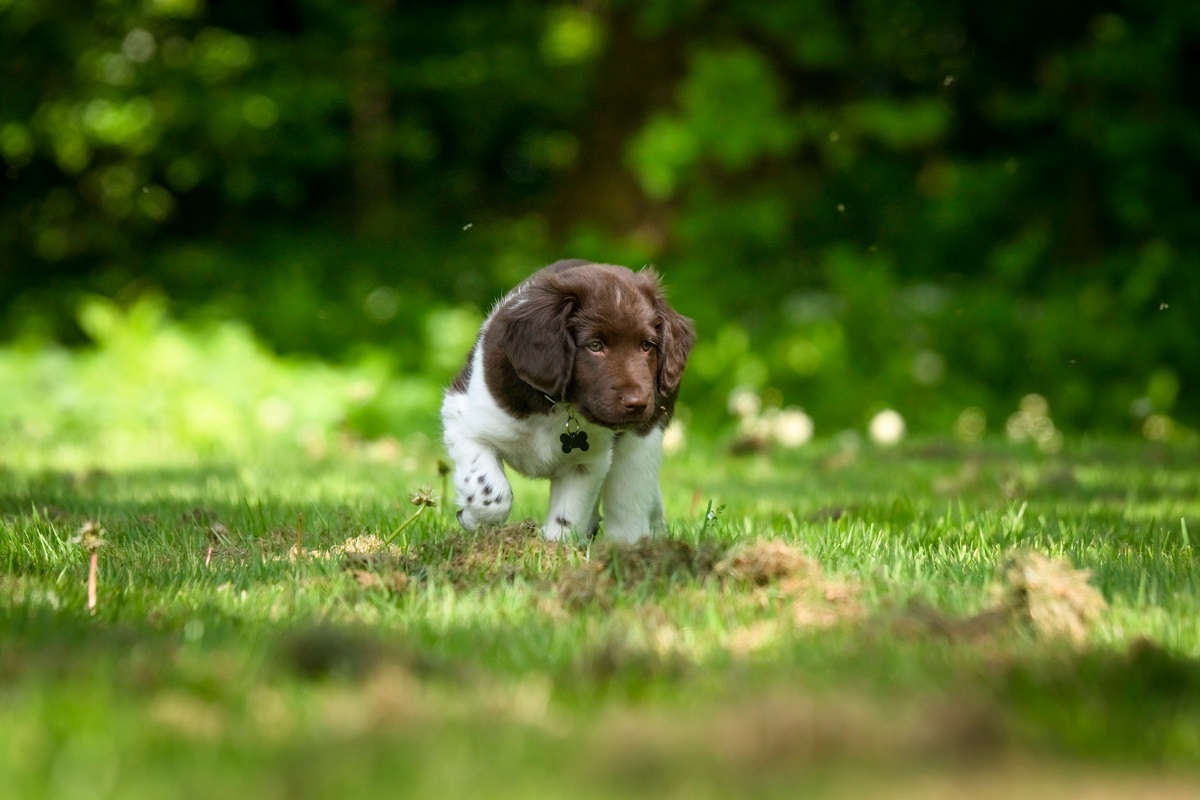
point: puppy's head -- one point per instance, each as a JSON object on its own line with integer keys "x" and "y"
{"x": 603, "y": 338}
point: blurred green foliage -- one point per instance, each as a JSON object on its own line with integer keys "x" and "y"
{"x": 211, "y": 391}
{"x": 920, "y": 205}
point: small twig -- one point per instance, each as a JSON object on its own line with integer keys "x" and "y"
{"x": 216, "y": 535}
{"x": 91, "y": 538}
{"x": 299, "y": 549}
{"x": 93, "y": 568}
{"x": 422, "y": 499}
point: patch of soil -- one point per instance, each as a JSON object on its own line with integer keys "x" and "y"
{"x": 649, "y": 562}
{"x": 466, "y": 560}
{"x": 768, "y": 573}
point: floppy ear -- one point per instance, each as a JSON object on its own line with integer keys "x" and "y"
{"x": 676, "y": 335}
{"x": 537, "y": 340}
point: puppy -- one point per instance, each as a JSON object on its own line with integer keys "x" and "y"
{"x": 573, "y": 377}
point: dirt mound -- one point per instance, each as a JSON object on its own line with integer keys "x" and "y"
{"x": 646, "y": 564}
{"x": 768, "y": 573}
{"x": 1049, "y": 595}
{"x": 1044, "y": 595}
{"x": 765, "y": 561}
{"x": 466, "y": 560}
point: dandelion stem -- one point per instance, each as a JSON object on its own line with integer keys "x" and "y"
{"x": 422, "y": 499}
{"x": 392, "y": 536}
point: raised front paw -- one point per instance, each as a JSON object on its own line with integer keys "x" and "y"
{"x": 484, "y": 503}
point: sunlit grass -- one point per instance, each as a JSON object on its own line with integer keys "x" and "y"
{"x": 236, "y": 632}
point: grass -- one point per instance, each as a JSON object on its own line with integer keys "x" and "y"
{"x": 254, "y": 636}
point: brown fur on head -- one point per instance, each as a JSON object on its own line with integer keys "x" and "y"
{"x": 596, "y": 335}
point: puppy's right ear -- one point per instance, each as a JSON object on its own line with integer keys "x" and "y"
{"x": 537, "y": 340}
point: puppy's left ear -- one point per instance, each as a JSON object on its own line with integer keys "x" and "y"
{"x": 676, "y": 336}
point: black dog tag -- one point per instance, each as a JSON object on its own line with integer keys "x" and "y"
{"x": 574, "y": 441}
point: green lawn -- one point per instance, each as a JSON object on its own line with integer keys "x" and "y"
{"x": 252, "y": 637}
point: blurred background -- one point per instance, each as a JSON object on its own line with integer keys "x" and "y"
{"x": 292, "y": 215}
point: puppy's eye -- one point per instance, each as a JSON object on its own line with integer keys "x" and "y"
{"x": 595, "y": 345}
{"x": 647, "y": 346}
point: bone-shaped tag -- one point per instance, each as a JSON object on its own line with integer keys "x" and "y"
{"x": 574, "y": 441}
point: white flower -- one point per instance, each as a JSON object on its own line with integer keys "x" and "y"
{"x": 744, "y": 402}
{"x": 1033, "y": 422}
{"x": 886, "y": 428}
{"x": 1019, "y": 426}
{"x": 792, "y": 427}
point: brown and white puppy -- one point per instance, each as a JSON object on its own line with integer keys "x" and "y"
{"x": 573, "y": 377}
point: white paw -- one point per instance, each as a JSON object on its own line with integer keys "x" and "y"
{"x": 560, "y": 529}
{"x": 483, "y": 513}
{"x": 484, "y": 499}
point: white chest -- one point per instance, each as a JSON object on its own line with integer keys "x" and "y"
{"x": 533, "y": 446}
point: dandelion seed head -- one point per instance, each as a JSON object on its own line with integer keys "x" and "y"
{"x": 886, "y": 428}
{"x": 792, "y": 427}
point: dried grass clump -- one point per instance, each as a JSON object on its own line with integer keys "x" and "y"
{"x": 1045, "y": 595}
{"x": 814, "y": 600}
{"x": 466, "y": 560}
{"x": 372, "y": 563}
{"x": 658, "y": 561}
{"x": 366, "y": 546}
{"x": 1049, "y": 595}
{"x": 825, "y": 603}
{"x": 493, "y": 554}
{"x": 774, "y": 573}
{"x": 765, "y": 561}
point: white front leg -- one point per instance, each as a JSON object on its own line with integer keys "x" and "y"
{"x": 574, "y": 492}
{"x": 632, "y": 501}
{"x": 482, "y": 490}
